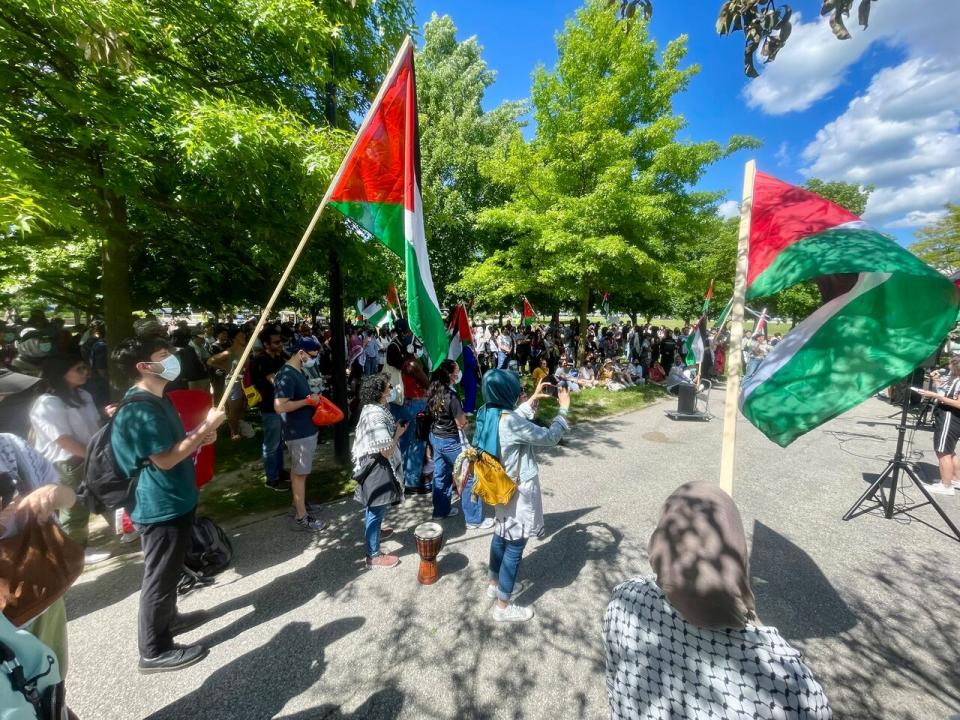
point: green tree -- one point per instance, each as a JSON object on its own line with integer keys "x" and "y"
{"x": 599, "y": 199}
{"x": 181, "y": 147}
{"x": 939, "y": 244}
{"x": 455, "y": 135}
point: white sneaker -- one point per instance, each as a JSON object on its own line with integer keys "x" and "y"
{"x": 485, "y": 525}
{"x": 941, "y": 489}
{"x": 517, "y": 590}
{"x": 92, "y": 557}
{"x": 512, "y": 613}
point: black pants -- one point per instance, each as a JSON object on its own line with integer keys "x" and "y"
{"x": 164, "y": 549}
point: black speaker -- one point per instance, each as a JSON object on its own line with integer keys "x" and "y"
{"x": 687, "y": 398}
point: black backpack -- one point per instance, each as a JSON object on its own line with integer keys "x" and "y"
{"x": 210, "y": 551}
{"x": 104, "y": 486}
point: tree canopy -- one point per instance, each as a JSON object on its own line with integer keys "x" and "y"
{"x": 939, "y": 244}
{"x": 599, "y": 199}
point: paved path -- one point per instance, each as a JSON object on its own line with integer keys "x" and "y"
{"x": 302, "y": 631}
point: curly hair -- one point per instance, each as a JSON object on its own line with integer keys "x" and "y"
{"x": 439, "y": 393}
{"x": 372, "y": 388}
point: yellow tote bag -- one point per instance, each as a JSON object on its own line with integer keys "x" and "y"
{"x": 492, "y": 484}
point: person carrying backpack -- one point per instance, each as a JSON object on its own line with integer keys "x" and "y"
{"x": 148, "y": 438}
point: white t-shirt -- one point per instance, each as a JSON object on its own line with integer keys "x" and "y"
{"x": 52, "y": 418}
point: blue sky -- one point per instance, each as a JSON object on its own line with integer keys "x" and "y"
{"x": 882, "y": 108}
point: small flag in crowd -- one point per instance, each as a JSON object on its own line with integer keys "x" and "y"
{"x": 379, "y": 189}
{"x": 528, "y": 313}
{"x": 461, "y": 350}
{"x": 606, "y": 304}
{"x": 699, "y": 340}
{"x": 374, "y": 313}
{"x": 760, "y": 326}
{"x": 884, "y": 312}
{"x": 393, "y": 300}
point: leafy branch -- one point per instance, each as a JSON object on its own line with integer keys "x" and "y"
{"x": 765, "y": 26}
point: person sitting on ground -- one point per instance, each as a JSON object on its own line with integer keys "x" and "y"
{"x": 165, "y": 498}
{"x": 566, "y": 373}
{"x": 656, "y": 374}
{"x": 687, "y": 642}
{"x": 613, "y": 378}
{"x": 540, "y": 372}
{"x": 378, "y": 433}
{"x": 586, "y": 376}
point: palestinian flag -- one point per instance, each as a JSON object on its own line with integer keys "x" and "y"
{"x": 374, "y": 313}
{"x": 760, "y": 326}
{"x": 393, "y": 300}
{"x": 606, "y": 305}
{"x": 699, "y": 339}
{"x": 461, "y": 350}
{"x": 884, "y": 311}
{"x": 378, "y": 187}
{"x": 722, "y": 317}
{"x": 528, "y": 313}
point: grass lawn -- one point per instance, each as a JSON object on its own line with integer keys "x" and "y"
{"x": 596, "y": 403}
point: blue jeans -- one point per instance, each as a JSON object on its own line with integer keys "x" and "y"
{"x": 445, "y": 451}
{"x": 752, "y": 365}
{"x": 272, "y": 451}
{"x": 413, "y": 450}
{"x": 472, "y": 509}
{"x": 371, "y": 365}
{"x": 505, "y": 563}
{"x": 371, "y": 528}
{"x": 502, "y": 360}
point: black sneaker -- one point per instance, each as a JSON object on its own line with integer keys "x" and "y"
{"x": 310, "y": 524}
{"x": 185, "y": 622}
{"x": 176, "y": 659}
{"x": 278, "y": 485}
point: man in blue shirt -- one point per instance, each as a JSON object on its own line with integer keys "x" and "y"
{"x": 165, "y": 499}
{"x": 294, "y": 401}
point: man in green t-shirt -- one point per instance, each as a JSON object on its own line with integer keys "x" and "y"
{"x": 166, "y": 495}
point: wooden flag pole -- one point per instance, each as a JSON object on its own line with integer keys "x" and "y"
{"x": 238, "y": 371}
{"x": 734, "y": 358}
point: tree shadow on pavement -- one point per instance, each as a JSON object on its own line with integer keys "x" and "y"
{"x": 778, "y": 568}
{"x": 384, "y": 704}
{"x": 259, "y": 684}
{"x": 904, "y": 646}
{"x": 557, "y": 564}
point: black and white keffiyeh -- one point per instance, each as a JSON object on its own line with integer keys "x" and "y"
{"x": 661, "y": 667}
{"x": 374, "y": 431}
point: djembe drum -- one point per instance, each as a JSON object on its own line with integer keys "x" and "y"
{"x": 429, "y": 537}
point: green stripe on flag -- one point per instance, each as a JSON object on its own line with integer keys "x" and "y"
{"x": 847, "y": 350}
{"x": 840, "y": 250}
{"x": 382, "y": 220}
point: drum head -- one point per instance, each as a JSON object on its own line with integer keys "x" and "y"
{"x": 428, "y": 531}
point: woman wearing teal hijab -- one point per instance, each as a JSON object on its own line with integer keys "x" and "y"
{"x": 507, "y": 431}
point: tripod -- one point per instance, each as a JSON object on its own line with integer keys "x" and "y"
{"x": 892, "y": 471}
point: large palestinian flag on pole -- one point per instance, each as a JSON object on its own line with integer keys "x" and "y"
{"x": 374, "y": 313}
{"x": 378, "y": 187}
{"x": 884, "y": 311}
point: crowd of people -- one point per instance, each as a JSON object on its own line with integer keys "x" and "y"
{"x": 410, "y": 427}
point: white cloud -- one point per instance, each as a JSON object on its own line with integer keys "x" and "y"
{"x": 917, "y": 218}
{"x": 729, "y": 209}
{"x": 814, "y": 63}
{"x": 901, "y": 135}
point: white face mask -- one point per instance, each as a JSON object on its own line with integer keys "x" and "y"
{"x": 171, "y": 368}
{"x": 392, "y": 397}
{"x": 308, "y": 362}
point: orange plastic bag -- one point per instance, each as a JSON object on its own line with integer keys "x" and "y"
{"x": 327, "y": 413}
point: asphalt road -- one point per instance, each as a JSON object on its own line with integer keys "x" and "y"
{"x": 303, "y": 631}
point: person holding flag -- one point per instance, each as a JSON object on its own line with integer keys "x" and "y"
{"x": 698, "y": 350}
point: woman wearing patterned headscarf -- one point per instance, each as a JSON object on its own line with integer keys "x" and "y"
{"x": 507, "y": 431}
{"x": 687, "y": 643}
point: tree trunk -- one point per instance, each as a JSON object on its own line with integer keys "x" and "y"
{"x": 341, "y": 431}
{"x": 115, "y": 281}
{"x": 584, "y": 311}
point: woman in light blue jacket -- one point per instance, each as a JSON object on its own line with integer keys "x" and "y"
{"x": 507, "y": 431}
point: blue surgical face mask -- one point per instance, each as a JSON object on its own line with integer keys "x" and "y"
{"x": 171, "y": 368}
{"x": 392, "y": 397}
{"x": 45, "y": 347}
{"x": 310, "y": 361}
